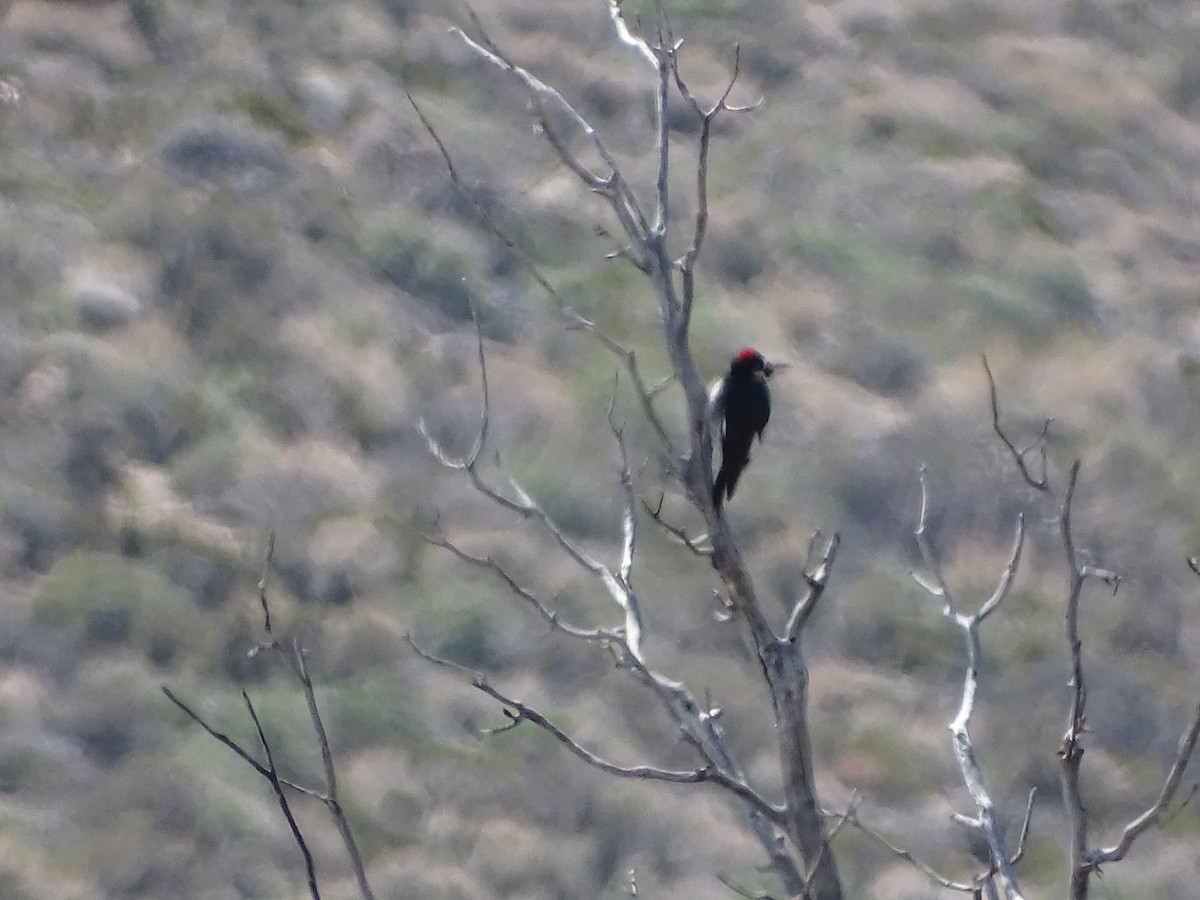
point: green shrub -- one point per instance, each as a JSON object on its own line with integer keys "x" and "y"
{"x": 110, "y": 600}
{"x": 377, "y": 711}
{"x": 405, "y": 256}
{"x": 210, "y": 468}
{"x": 223, "y": 280}
{"x": 112, "y": 708}
{"x": 271, "y": 109}
{"x": 894, "y": 623}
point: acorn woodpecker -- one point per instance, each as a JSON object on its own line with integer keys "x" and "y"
{"x": 739, "y": 406}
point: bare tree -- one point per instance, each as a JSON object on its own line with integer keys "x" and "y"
{"x": 791, "y": 829}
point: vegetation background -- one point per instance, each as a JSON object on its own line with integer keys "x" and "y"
{"x": 233, "y": 274}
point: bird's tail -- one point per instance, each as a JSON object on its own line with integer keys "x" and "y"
{"x": 726, "y": 481}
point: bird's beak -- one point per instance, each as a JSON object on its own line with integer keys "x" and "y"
{"x": 771, "y": 368}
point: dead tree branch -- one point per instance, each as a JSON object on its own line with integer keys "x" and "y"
{"x": 816, "y": 581}
{"x": 294, "y": 660}
{"x": 1084, "y": 861}
{"x": 679, "y": 534}
{"x": 518, "y": 712}
{"x": 1152, "y": 816}
{"x": 696, "y": 724}
{"x": 985, "y": 819}
{"x": 268, "y": 772}
{"x": 852, "y": 818}
{"x": 1039, "y": 482}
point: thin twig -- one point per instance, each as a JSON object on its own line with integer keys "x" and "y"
{"x": 687, "y": 263}
{"x": 272, "y": 776}
{"x": 1040, "y": 482}
{"x": 679, "y": 534}
{"x": 1070, "y": 752}
{"x": 1025, "y": 825}
{"x": 488, "y": 563}
{"x": 574, "y": 318}
{"x": 262, "y": 583}
{"x": 851, "y": 817}
{"x": 330, "y": 799}
{"x": 622, "y": 587}
{"x": 220, "y": 737}
{"x": 931, "y": 580}
{"x": 612, "y": 186}
{"x": 297, "y": 665}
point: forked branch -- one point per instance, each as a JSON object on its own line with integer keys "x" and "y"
{"x": 1038, "y": 481}
{"x": 1154, "y": 814}
{"x": 269, "y": 772}
{"x": 294, "y": 659}
{"x": 1085, "y": 862}
{"x": 517, "y": 712}
{"x": 985, "y": 818}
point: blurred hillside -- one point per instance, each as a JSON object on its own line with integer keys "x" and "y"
{"x": 234, "y": 273}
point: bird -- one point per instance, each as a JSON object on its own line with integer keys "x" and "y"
{"x": 739, "y": 406}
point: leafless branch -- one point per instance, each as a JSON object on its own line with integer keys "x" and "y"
{"x": 851, "y": 817}
{"x": 1070, "y": 752}
{"x": 662, "y": 182}
{"x": 687, "y": 263}
{"x": 1010, "y": 571}
{"x": 330, "y": 798}
{"x": 218, "y": 736}
{"x": 618, "y": 584}
{"x": 620, "y": 590}
{"x": 1040, "y": 482}
{"x": 470, "y": 462}
{"x": 628, "y": 38}
{"x": 518, "y": 712}
{"x": 782, "y": 661}
{"x": 262, "y": 583}
{"x": 593, "y": 635}
{"x": 611, "y": 186}
{"x": 964, "y": 750}
{"x": 931, "y": 580}
{"x": 294, "y": 659}
{"x": 628, "y": 517}
{"x": 700, "y": 728}
{"x": 679, "y": 534}
{"x": 268, "y": 772}
{"x": 1153, "y": 815}
{"x": 1085, "y": 862}
{"x": 1025, "y": 825}
{"x": 984, "y": 882}
{"x": 272, "y": 775}
{"x": 816, "y": 582}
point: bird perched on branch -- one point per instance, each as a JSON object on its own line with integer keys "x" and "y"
{"x": 739, "y": 406}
